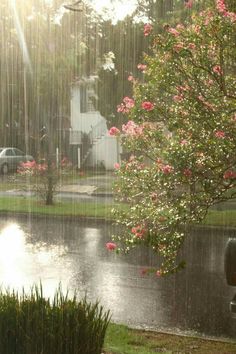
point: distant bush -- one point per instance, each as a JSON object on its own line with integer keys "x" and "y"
{"x": 46, "y": 176}
{"x": 32, "y": 324}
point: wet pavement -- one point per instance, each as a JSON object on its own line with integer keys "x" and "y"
{"x": 74, "y": 254}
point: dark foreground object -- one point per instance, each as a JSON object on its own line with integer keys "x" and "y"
{"x": 32, "y": 324}
{"x": 230, "y": 262}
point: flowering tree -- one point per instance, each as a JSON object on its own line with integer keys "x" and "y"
{"x": 46, "y": 176}
{"x": 181, "y": 135}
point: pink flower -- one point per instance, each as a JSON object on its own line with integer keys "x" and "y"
{"x": 209, "y": 82}
{"x": 229, "y": 175}
{"x": 121, "y": 108}
{"x": 114, "y": 131}
{"x": 220, "y": 134}
{"x": 158, "y": 273}
{"x": 178, "y": 47}
{"x": 139, "y": 231}
{"x": 180, "y": 26}
{"x": 142, "y": 67}
{"x": 148, "y": 106}
{"x": 192, "y": 46}
{"x": 111, "y": 246}
{"x": 187, "y": 172}
{"x": 178, "y": 98}
{"x": 220, "y": 5}
{"x": 129, "y": 102}
{"x": 147, "y": 29}
{"x": 167, "y": 169}
{"x": 184, "y": 142}
{"x": 183, "y": 88}
{"x": 130, "y": 78}
{"x": 126, "y": 105}
{"x": 116, "y": 166}
{"x": 188, "y": 4}
{"x": 173, "y": 31}
{"x": 217, "y": 69}
{"x": 28, "y": 164}
{"x": 132, "y": 129}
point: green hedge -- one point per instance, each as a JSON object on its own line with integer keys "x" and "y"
{"x": 32, "y": 324}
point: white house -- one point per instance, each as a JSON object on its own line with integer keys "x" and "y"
{"x": 89, "y": 136}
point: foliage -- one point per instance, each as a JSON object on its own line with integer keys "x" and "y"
{"x": 34, "y": 324}
{"x": 40, "y": 58}
{"x": 181, "y": 135}
{"x": 46, "y": 176}
{"x": 123, "y": 340}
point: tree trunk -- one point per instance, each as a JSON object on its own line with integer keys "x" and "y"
{"x": 49, "y": 196}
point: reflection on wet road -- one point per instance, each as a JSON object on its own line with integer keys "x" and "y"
{"x": 73, "y": 253}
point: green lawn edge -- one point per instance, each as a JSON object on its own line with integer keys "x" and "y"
{"x": 121, "y": 339}
{"x": 21, "y": 204}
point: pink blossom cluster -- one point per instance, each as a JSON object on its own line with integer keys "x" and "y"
{"x": 126, "y": 105}
{"x": 220, "y": 134}
{"x": 217, "y": 70}
{"x": 178, "y": 98}
{"x": 167, "y": 169}
{"x": 114, "y": 131}
{"x": 180, "y": 27}
{"x": 142, "y": 67}
{"x": 173, "y": 31}
{"x": 139, "y": 231}
{"x": 189, "y": 4}
{"x": 206, "y": 103}
{"x": 221, "y": 7}
{"x": 183, "y": 88}
{"x": 110, "y": 246}
{"x": 28, "y": 164}
{"x": 147, "y": 29}
{"x": 187, "y": 172}
{"x": 134, "y": 164}
{"x": 132, "y": 129}
{"x": 130, "y": 78}
{"x": 229, "y": 174}
{"x": 147, "y": 106}
{"x": 32, "y": 167}
{"x": 116, "y": 166}
{"x": 184, "y": 142}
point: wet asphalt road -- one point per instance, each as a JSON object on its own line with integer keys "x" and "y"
{"x": 74, "y": 254}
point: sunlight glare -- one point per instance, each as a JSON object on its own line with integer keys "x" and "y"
{"x": 21, "y": 36}
{"x": 116, "y": 10}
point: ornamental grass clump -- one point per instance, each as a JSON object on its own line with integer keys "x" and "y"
{"x": 32, "y": 324}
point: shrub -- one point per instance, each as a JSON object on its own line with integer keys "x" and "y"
{"x": 181, "y": 135}
{"x": 46, "y": 176}
{"x": 32, "y": 324}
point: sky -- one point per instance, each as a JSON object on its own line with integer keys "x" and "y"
{"x": 115, "y": 9}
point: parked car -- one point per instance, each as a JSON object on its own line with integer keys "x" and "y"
{"x": 10, "y": 158}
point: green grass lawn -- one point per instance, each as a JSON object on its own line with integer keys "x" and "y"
{"x": 123, "y": 340}
{"x": 34, "y": 206}
{"x": 17, "y": 204}
{"x": 221, "y": 218}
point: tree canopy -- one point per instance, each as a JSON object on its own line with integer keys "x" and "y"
{"x": 181, "y": 135}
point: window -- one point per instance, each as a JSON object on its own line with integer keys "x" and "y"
{"x": 18, "y": 152}
{"x": 9, "y": 152}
